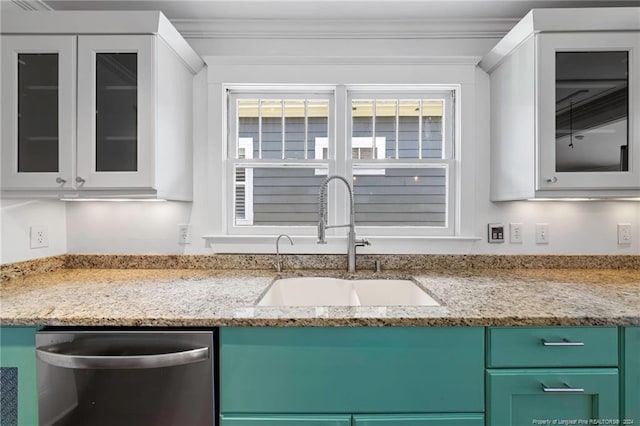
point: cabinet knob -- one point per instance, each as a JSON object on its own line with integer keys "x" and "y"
{"x": 60, "y": 181}
{"x": 80, "y": 180}
{"x": 552, "y": 180}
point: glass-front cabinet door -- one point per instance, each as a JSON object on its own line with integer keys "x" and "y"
{"x": 115, "y": 111}
{"x": 38, "y": 111}
{"x": 589, "y": 128}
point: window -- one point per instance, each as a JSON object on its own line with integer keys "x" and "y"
{"x": 277, "y": 156}
{"x": 397, "y": 147}
{"x": 406, "y": 182}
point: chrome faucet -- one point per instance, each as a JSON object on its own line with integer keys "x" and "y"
{"x": 277, "y": 264}
{"x": 352, "y": 242}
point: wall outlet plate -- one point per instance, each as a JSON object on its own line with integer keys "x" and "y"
{"x": 542, "y": 233}
{"x": 496, "y": 233}
{"x": 624, "y": 233}
{"x": 184, "y": 234}
{"x": 39, "y": 237}
{"x": 515, "y": 233}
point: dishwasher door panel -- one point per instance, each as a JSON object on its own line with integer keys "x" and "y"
{"x": 125, "y": 378}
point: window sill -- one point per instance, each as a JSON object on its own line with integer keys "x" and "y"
{"x": 306, "y": 244}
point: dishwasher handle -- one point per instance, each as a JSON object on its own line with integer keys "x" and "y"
{"x": 52, "y": 354}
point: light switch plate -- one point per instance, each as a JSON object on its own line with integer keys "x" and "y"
{"x": 542, "y": 233}
{"x": 184, "y": 234}
{"x": 496, "y": 233}
{"x": 515, "y": 233}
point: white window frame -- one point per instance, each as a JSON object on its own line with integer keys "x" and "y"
{"x": 243, "y": 227}
{"x": 338, "y": 208}
{"x": 448, "y": 95}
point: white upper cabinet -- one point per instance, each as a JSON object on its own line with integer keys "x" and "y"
{"x": 105, "y": 112}
{"x": 565, "y": 105}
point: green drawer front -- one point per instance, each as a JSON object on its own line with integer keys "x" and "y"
{"x": 419, "y": 420}
{"x": 524, "y": 347}
{"x": 631, "y": 404}
{"x": 351, "y": 370}
{"x": 516, "y": 397}
{"x": 284, "y": 420}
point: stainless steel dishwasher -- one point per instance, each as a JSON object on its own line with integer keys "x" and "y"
{"x": 139, "y": 377}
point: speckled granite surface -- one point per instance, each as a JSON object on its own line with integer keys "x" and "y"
{"x": 192, "y": 297}
{"x": 307, "y": 261}
{"x": 31, "y": 267}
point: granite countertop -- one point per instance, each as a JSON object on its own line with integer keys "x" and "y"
{"x": 196, "y": 297}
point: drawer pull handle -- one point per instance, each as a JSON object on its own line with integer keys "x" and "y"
{"x": 567, "y": 388}
{"x": 564, "y": 342}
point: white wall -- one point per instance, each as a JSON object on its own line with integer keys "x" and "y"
{"x": 575, "y": 227}
{"x": 17, "y": 216}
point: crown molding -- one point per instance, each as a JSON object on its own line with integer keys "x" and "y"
{"x": 343, "y": 28}
{"x": 341, "y": 60}
{"x": 32, "y": 5}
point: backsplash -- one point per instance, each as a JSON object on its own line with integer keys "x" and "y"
{"x": 315, "y": 262}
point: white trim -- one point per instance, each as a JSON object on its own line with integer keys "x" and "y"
{"x": 341, "y": 60}
{"x": 419, "y": 28}
{"x": 562, "y": 20}
{"x": 103, "y": 22}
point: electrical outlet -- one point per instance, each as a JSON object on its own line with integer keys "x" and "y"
{"x": 542, "y": 233}
{"x": 624, "y": 233}
{"x": 184, "y": 234}
{"x": 39, "y": 236}
{"x": 515, "y": 233}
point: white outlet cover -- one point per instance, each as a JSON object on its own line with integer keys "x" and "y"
{"x": 542, "y": 233}
{"x": 184, "y": 234}
{"x": 515, "y": 233}
{"x": 39, "y": 237}
{"x": 624, "y": 233}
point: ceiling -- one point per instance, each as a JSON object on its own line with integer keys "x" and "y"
{"x": 177, "y": 10}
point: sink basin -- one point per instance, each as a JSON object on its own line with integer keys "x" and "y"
{"x": 327, "y": 291}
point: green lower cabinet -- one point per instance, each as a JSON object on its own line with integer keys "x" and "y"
{"x": 285, "y": 420}
{"x": 18, "y": 386}
{"x": 517, "y": 397}
{"x": 419, "y": 420}
{"x": 631, "y": 403}
{"x": 352, "y": 370}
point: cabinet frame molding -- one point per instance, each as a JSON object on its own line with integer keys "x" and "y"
{"x": 546, "y": 46}
{"x": 88, "y": 47}
{"x": 65, "y": 48}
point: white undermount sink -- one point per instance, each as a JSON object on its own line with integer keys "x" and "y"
{"x": 327, "y": 291}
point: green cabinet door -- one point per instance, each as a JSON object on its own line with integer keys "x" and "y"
{"x": 631, "y": 403}
{"x": 18, "y": 387}
{"x": 419, "y": 420}
{"x": 352, "y": 370}
{"x": 517, "y": 397}
{"x": 285, "y": 420}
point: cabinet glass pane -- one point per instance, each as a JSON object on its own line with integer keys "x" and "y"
{"x": 592, "y": 107}
{"x": 37, "y": 112}
{"x": 116, "y": 112}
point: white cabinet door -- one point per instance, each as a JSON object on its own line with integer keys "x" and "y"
{"x": 588, "y": 111}
{"x": 38, "y": 111}
{"x": 116, "y": 111}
